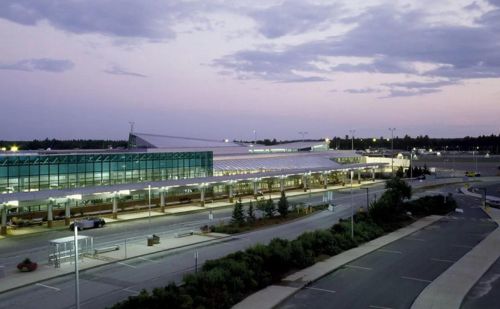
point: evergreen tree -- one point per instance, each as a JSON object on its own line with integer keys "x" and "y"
{"x": 250, "y": 213}
{"x": 238, "y": 216}
{"x": 269, "y": 208}
{"x": 283, "y": 205}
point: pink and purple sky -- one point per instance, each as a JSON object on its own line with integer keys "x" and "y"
{"x": 220, "y": 69}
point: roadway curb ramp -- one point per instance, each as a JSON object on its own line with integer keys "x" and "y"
{"x": 450, "y": 288}
{"x": 273, "y": 295}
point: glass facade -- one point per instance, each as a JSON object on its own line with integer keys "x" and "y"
{"x": 60, "y": 171}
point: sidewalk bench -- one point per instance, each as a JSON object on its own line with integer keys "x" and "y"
{"x": 184, "y": 234}
{"x": 106, "y": 249}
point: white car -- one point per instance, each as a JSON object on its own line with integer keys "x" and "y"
{"x": 87, "y": 223}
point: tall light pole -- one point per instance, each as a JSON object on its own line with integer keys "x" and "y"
{"x": 149, "y": 203}
{"x": 77, "y": 279}
{"x": 254, "y": 138}
{"x": 411, "y": 164}
{"x": 475, "y": 158}
{"x": 352, "y": 209}
{"x": 392, "y": 150}
{"x": 303, "y": 133}
{"x": 352, "y": 138}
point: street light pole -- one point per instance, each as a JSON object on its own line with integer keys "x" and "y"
{"x": 352, "y": 209}
{"x": 367, "y": 200}
{"x": 149, "y": 203}
{"x": 77, "y": 279}
{"x": 352, "y": 138}
{"x": 392, "y": 150}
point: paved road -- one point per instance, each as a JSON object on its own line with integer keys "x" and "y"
{"x": 35, "y": 246}
{"x": 486, "y": 292}
{"x": 109, "y": 284}
{"x": 394, "y": 276}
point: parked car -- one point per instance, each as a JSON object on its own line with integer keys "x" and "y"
{"x": 472, "y": 174}
{"x": 87, "y": 223}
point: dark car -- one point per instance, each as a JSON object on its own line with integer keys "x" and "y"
{"x": 87, "y": 223}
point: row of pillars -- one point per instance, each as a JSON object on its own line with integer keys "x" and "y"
{"x": 67, "y": 212}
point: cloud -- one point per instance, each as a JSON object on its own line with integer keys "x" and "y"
{"x": 293, "y": 17}
{"x": 41, "y": 64}
{"x": 126, "y": 18}
{"x": 116, "y": 70}
{"x": 393, "y": 93}
{"x": 397, "y": 41}
{"x": 362, "y": 90}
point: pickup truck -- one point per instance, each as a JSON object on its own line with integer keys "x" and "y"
{"x": 87, "y": 223}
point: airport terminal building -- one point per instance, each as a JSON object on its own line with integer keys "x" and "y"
{"x": 169, "y": 170}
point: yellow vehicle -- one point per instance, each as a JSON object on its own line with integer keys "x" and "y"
{"x": 472, "y": 174}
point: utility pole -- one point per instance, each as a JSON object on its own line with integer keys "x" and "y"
{"x": 392, "y": 150}
{"x": 352, "y": 138}
{"x": 77, "y": 279}
{"x": 352, "y": 209}
{"x": 303, "y": 133}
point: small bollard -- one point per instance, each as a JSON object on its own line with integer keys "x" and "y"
{"x": 150, "y": 241}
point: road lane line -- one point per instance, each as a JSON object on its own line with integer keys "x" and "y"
{"x": 48, "y": 286}
{"x": 146, "y": 259}
{"x": 463, "y": 246}
{"x": 318, "y": 289}
{"x": 416, "y": 279}
{"x": 390, "y": 251}
{"x": 124, "y": 264}
{"x": 415, "y": 239}
{"x": 378, "y": 307}
{"x": 443, "y": 260}
{"x": 130, "y": 291}
{"x": 358, "y": 267}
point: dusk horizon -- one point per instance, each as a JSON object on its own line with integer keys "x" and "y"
{"x": 77, "y": 70}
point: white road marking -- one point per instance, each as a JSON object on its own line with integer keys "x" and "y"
{"x": 318, "y": 289}
{"x": 130, "y": 291}
{"x": 416, "y": 279}
{"x": 390, "y": 251}
{"x": 48, "y": 286}
{"x": 145, "y": 259}
{"x": 358, "y": 267}
{"x": 124, "y": 264}
{"x": 463, "y": 246}
{"x": 378, "y": 307}
{"x": 442, "y": 260}
{"x": 460, "y": 210}
{"x": 415, "y": 239}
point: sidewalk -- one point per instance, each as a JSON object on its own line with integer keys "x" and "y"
{"x": 450, "y": 288}
{"x": 275, "y": 294}
{"x": 15, "y": 279}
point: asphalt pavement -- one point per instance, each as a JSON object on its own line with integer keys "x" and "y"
{"x": 392, "y": 277}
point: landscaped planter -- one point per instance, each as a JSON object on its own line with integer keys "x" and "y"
{"x": 27, "y": 265}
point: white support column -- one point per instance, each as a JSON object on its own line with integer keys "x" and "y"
{"x": 202, "y": 196}
{"x": 325, "y": 180}
{"x": 282, "y": 184}
{"x": 359, "y": 176}
{"x": 231, "y": 193}
{"x": 373, "y": 174}
{"x": 162, "y": 200}
{"x": 255, "y": 188}
{"x": 50, "y": 216}
{"x": 304, "y": 182}
{"x": 4, "y": 220}
{"x": 67, "y": 213}
{"x": 115, "y": 207}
